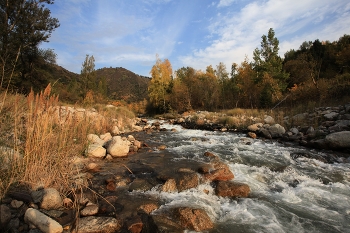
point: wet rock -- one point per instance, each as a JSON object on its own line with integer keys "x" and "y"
{"x": 187, "y": 181}
{"x": 339, "y": 140}
{"x": 111, "y": 185}
{"x": 193, "y": 219}
{"x": 51, "y": 199}
{"x": 165, "y": 223}
{"x": 140, "y": 184}
{"x": 118, "y": 147}
{"x": 135, "y": 224}
{"x": 221, "y": 172}
{"x": 148, "y": 208}
{"x": 41, "y": 221}
{"x": 98, "y": 225}
{"x": 90, "y": 210}
{"x": 252, "y": 135}
{"x": 109, "y": 205}
{"x": 95, "y": 151}
{"x": 5, "y": 216}
{"x": 169, "y": 186}
{"x": 161, "y": 147}
{"x": 232, "y": 189}
{"x": 210, "y": 155}
{"x": 13, "y": 224}
{"x": 265, "y": 133}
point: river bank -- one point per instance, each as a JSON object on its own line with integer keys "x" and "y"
{"x": 139, "y": 191}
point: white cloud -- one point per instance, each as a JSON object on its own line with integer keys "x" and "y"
{"x": 224, "y": 3}
{"x": 236, "y": 34}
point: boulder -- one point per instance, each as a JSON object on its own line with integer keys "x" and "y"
{"x": 134, "y": 224}
{"x": 118, "y": 147}
{"x": 93, "y": 224}
{"x": 51, "y": 199}
{"x": 90, "y": 210}
{"x": 140, "y": 184}
{"x": 338, "y": 140}
{"x": 276, "y": 130}
{"x": 5, "y": 216}
{"x": 115, "y": 130}
{"x": 169, "y": 186}
{"x": 269, "y": 120}
{"x": 193, "y": 219}
{"x": 221, "y": 171}
{"x": 265, "y": 133}
{"x": 254, "y": 127}
{"x": 331, "y": 116}
{"x": 252, "y": 135}
{"x": 161, "y": 147}
{"x": 232, "y": 189}
{"x": 187, "y": 180}
{"x": 95, "y": 151}
{"x": 41, "y": 221}
{"x": 106, "y": 137}
{"x": 148, "y": 208}
{"x": 94, "y": 139}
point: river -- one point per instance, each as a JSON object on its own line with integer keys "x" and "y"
{"x": 290, "y": 190}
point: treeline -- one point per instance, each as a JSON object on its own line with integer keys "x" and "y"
{"x": 316, "y": 73}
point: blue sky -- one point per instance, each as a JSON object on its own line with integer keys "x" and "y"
{"x": 195, "y": 33}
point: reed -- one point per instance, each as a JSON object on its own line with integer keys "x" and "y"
{"x": 39, "y": 139}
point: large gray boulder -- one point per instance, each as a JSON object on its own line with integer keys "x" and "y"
{"x": 338, "y": 140}
{"x": 276, "y": 130}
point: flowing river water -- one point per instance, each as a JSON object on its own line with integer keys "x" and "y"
{"x": 290, "y": 190}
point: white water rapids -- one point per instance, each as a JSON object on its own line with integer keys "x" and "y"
{"x": 287, "y": 195}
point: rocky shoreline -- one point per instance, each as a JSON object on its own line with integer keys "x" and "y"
{"x": 108, "y": 193}
{"x": 324, "y": 128}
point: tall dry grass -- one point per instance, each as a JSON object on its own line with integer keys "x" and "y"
{"x": 38, "y": 141}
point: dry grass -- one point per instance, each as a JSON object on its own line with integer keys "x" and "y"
{"x": 38, "y": 141}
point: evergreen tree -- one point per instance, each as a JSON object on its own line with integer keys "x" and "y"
{"x": 24, "y": 24}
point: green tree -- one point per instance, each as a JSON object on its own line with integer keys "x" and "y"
{"x": 24, "y": 24}
{"x": 160, "y": 84}
{"x": 88, "y": 75}
{"x": 268, "y": 66}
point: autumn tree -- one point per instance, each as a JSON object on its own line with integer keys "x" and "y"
{"x": 24, "y": 24}
{"x": 160, "y": 84}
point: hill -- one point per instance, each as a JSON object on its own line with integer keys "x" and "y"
{"x": 123, "y": 84}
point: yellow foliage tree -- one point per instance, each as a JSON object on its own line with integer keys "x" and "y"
{"x": 159, "y": 87}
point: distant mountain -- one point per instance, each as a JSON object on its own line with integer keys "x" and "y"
{"x": 123, "y": 84}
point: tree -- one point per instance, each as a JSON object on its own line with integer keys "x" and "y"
{"x": 88, "y": 75}
{"x": 159, "y": 87}
{"x": 24, "y": 24}
{"x": 223, "y": 78}
{"x": 267, "y": 63}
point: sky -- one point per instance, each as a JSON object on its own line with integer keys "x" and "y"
{"x": 195, "y": 33}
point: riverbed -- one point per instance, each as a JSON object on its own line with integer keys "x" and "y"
{"x": 291, "y": 191}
